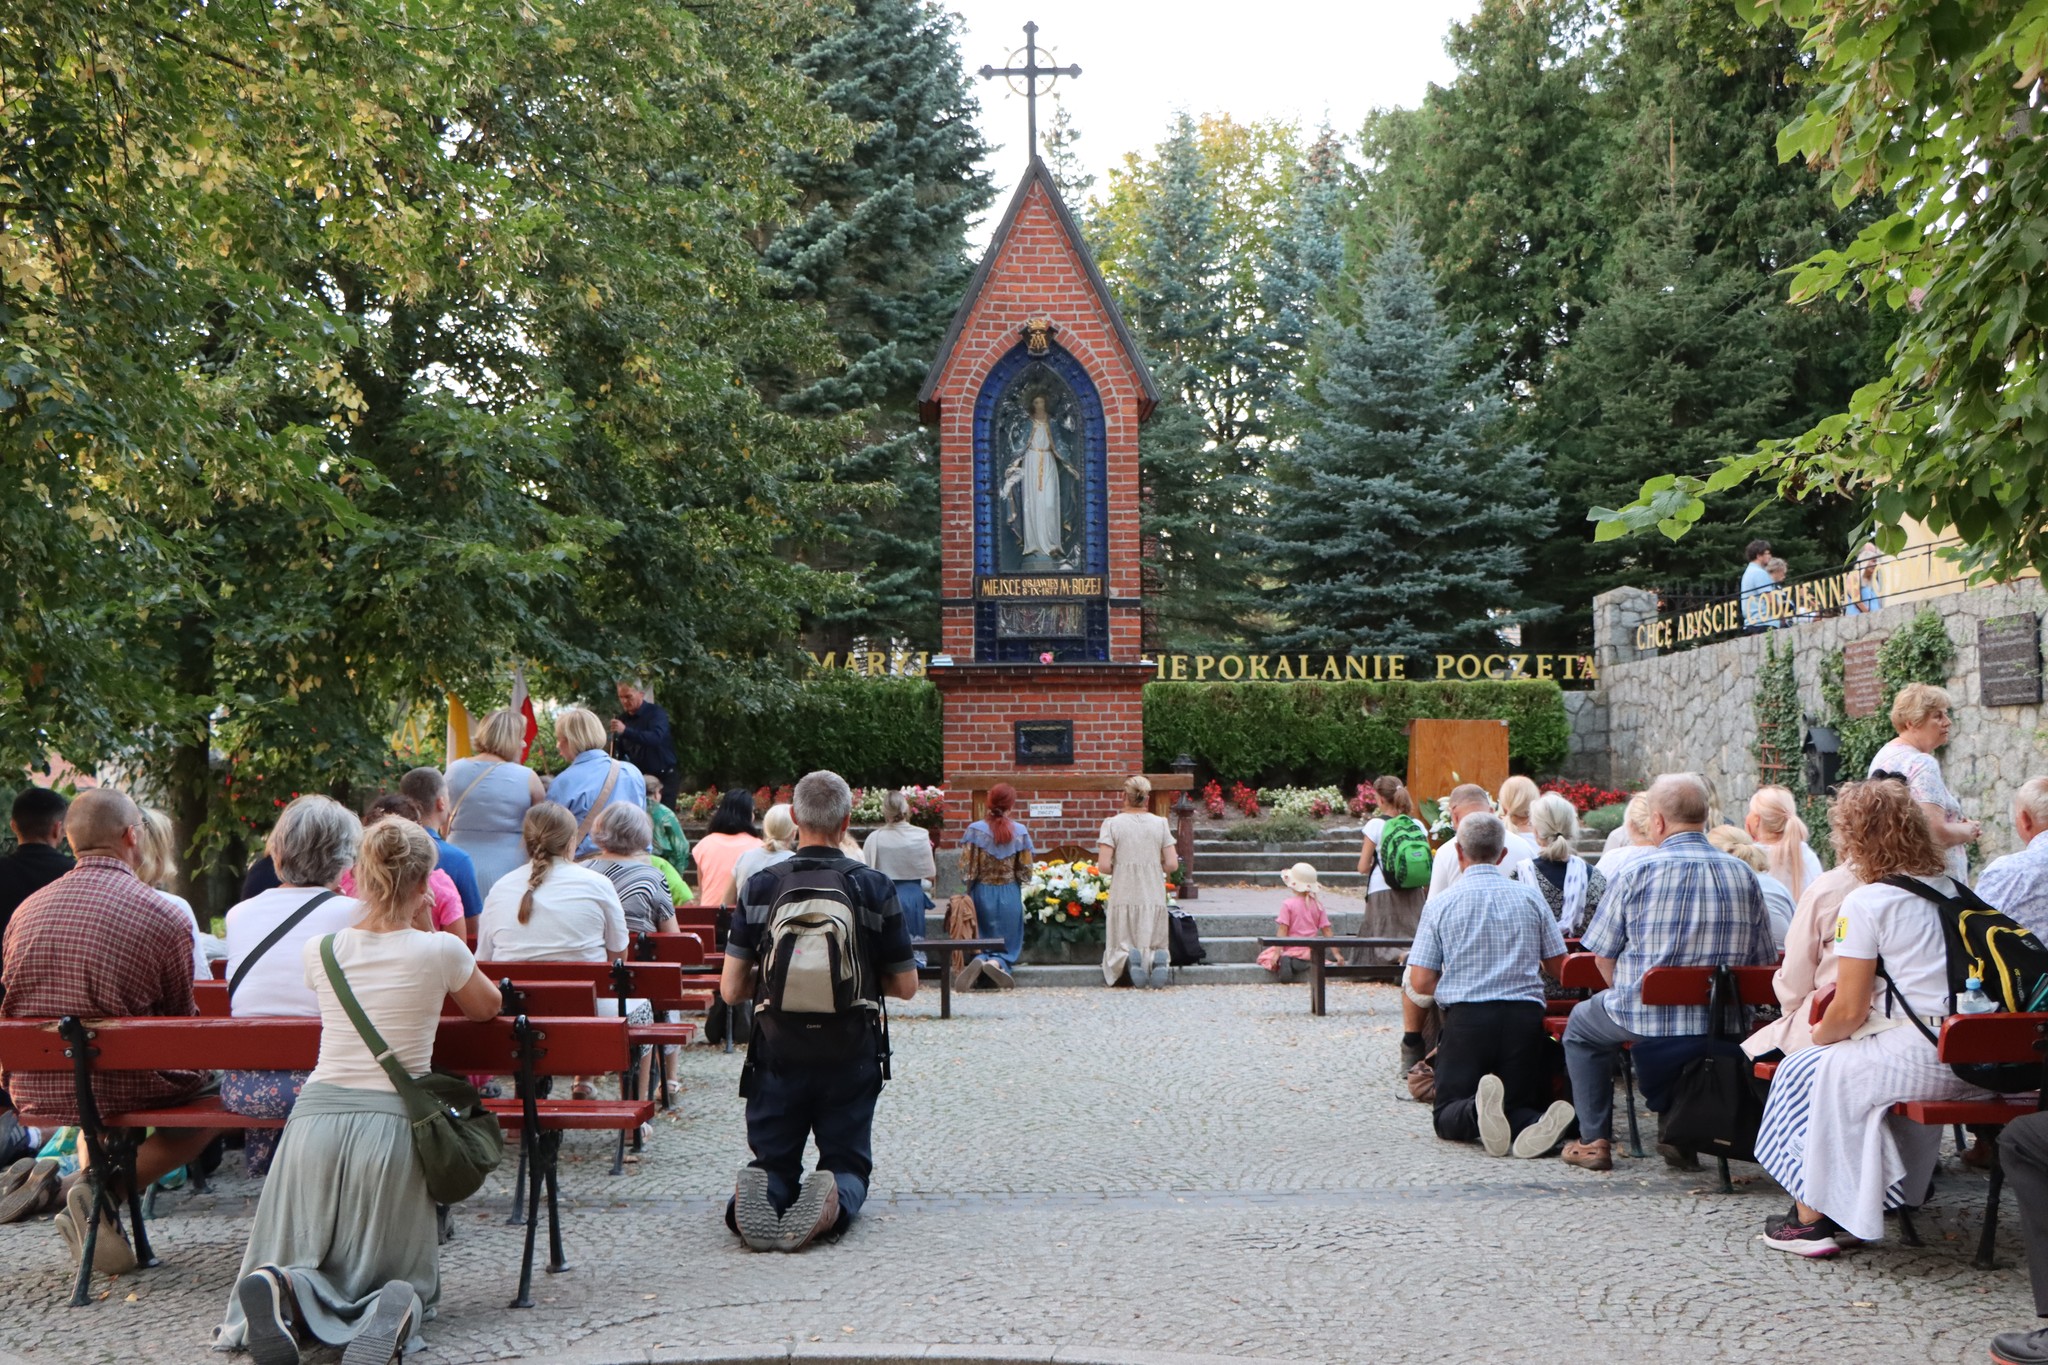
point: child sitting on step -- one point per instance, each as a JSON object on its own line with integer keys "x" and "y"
{"x": 1301, "y": 916}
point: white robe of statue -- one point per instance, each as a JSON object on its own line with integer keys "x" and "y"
{"x": 1039, "y": 487}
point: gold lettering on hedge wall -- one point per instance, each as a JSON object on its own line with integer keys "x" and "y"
{"x": 1372, "y": 667}
{"x": 901, "y": 662}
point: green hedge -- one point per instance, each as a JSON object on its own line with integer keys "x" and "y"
{"x": 1311, "y": 734}
{"x": 887, "y": 731}
{"x": 871, "y": 731}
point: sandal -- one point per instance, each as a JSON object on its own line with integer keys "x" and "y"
{"x": 583, "y": 1090}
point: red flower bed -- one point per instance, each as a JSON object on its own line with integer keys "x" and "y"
{"x": 1584, "y": 796}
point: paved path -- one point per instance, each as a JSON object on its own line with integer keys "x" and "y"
{"x": 1195, "y": 1171}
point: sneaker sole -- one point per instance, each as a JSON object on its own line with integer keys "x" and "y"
{"x": 1545, "y": 1133}
{"x": 999, "y": 976}
{"x": 1494, "y": 1133}
{"x": 378, "y": 1340}
{"x": 270, "y": 1341}
{"x": 34, "y": 1197}
{"x": 760, "y": 1226}
{"x": 817, "y": 1204}
{"x": 1812, "y": 1250}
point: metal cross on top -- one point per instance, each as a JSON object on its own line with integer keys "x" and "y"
{"x": 1031, "y": 71}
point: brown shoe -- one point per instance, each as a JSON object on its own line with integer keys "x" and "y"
{"x": 1978, "y": 1157}
{"x": 1597, "y": 1155}
{"x": 814, "y": 1214}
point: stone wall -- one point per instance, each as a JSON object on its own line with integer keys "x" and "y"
{"x": 1695, "y": 709}
{"x": 1589, "y": 755}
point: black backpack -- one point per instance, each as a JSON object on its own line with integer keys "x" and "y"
{"x": 815, "y": 1004}
{"x": 2006, "y": 957}
{"x": 1183, "y": 940}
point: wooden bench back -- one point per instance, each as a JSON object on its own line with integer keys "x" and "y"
{"x": 682, "y": 949}
{"x": 566, "y": 1047}
{"x": 658, "y": 983}
{"x": 1581, "y": 972}
{"x": 1993, "y": 1037}
{"x": 1694, "y": 985}
{"x": 564, "y": 999}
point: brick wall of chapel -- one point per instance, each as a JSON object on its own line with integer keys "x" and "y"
{"x": 1039, "y": 274}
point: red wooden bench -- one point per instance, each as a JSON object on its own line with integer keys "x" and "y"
{"x": 1982, "y": 1038}
{"x": 686, "y": 948}
{"x": 660, "y": 984}
{"x": 527, "y": 1048}
{"x": 549, "y": 999}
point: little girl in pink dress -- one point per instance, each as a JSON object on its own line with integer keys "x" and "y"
{"x": 1301, "y": 916}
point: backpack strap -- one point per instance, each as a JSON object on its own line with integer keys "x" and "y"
{"x": 604, "y": 796}
{"x": 291, "y": 922}
{"x": 475, "y": 782}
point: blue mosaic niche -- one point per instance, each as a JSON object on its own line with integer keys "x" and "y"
{"x": 1088, "y": 638}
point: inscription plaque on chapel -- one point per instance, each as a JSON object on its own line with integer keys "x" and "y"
{"x": 2009, "y": 660}
{"x": 1862, "y": 689}
{"x": 1045, "y": 743}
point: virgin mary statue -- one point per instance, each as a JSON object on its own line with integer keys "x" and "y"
{"x": 1034, "y": 493}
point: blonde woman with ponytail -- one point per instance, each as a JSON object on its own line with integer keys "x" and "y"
{"x": 1774, "y": 822}
{"x": 1569, "y": 886}
{"x": 551, "y": 909}
{"x": 345, "y": 1249}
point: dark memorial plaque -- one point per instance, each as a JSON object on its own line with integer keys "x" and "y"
{"x": 1862, "y": 689}
{"x": 1045, "y": 743}
{"x": 2009, "y": 660}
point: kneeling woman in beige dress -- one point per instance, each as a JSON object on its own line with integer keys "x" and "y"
{"x": 1137, "y": 852}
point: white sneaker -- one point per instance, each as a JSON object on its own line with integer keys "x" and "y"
{"x": 966, "y": 977}
{"x": 1545, "y": 1133}
{"x": 1494, "y": 1133}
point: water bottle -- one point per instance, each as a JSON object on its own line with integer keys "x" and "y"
{"x": 1973, "y": 1000}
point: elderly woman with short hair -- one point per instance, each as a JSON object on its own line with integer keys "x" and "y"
{"x": 1922, "y": 715}
{"x": 902, "y": 852}
{"x": 622, "y": 834}
{"x": 593, "y": 779}
{"x": 489, "y": 795}
{"x": 313, "y": 845}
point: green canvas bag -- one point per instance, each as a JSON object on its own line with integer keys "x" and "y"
{"x": 457, "y": 1140}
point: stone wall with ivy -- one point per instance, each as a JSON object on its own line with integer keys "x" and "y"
{"x": 1701, "y": 709}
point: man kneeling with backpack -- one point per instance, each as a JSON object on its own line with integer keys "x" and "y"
{"x": 818, "y": 944}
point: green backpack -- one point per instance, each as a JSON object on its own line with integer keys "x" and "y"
{"x": 1404, "y": 853}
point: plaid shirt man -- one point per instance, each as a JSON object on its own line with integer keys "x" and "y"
{"x": 2018, "y": 884}
{"x": 98, "y": 944}
{"x": 1685, "y": 904}
{"x": 1485, "y": 938}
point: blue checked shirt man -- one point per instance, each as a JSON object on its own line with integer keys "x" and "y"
{"x": 1685, "y": 905}
{"x": 2018, "y": 882}
{"x": 1485, "y": 939}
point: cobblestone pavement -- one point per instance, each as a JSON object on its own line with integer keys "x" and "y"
{"x": 1205, "y": 1171}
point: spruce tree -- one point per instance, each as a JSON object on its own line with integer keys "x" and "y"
{"x": 881, "y": 247}
{"x": 1402, "y": 521}
{"x": 1201, "y": 451}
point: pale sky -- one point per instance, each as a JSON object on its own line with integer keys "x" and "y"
{"x": 1142, "y": 60}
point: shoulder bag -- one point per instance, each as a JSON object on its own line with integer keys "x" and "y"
{"x": 1715, "y": 1108}
{"x": 291, "y": 922}
{"x": 457, "y": 1140}
{"x": 604, "y": 796}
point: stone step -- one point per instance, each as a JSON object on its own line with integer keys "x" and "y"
{"x": 1251, "y": 855}
{"x": 1347, "y": 844}
{"x": 1214, "y": 928}
{"x": 1216, "y": 874}
{"x": 1203, "y": 974}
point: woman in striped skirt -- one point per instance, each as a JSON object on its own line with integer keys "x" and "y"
{"x": 1828, "y": 1135}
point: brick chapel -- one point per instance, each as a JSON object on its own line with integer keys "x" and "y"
{"x": 1037, "y": 394}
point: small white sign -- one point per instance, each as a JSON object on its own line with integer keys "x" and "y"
{"x": 1046, "y": 810}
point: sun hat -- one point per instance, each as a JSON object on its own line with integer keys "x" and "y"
{"x": 1302, "y": 877}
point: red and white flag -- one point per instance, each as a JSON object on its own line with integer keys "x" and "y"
{"x": 523, "y": 703}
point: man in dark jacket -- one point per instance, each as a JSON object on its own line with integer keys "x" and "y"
{"x": 644, "y": 740}
{"x": 37, "y": 860}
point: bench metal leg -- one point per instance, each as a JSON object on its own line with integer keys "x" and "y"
{"x": 1985, "y": 1243}
{"x": 946, "y": 990}
{"x": 1909, "y": 1235}
{"x": 1727, "y": 1185}
{"x": 1628, "y": 1081}
{"x": 551, "y": 1148}
{"x": 533, "y": 1184}
{"x": 518, "y": 1215}
{"x": 1316, "y": 1002}
{"x": 81, "y": 1287}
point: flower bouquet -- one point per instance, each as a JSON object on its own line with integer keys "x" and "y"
{"x": 1065, "y": 905}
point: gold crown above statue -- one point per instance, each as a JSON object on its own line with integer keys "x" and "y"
{"x": 1038, "y": 334}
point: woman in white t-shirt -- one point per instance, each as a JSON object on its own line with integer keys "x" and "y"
{"x": 313, "y": 844}
{"x": 1828, "y": 1135}
{"x": 1921, "y": 714}
{"x": 345, "y": 1249}
{"x": 551, "y": 910}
